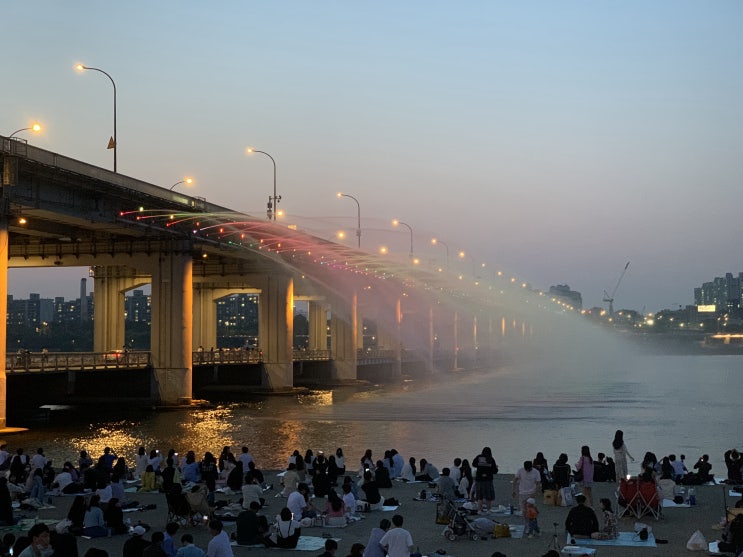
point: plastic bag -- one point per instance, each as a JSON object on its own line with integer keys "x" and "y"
{"x": 697, "y": 542}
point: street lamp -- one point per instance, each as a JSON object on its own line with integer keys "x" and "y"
{"x": 34, "y": 128}
{"x": 358, "y": 215}
{"x": 187, "y": 181}
{"x": 112, "y": 143}
{"x": 273, "y": 201}
{"x": 436, "y": 241}
{"x": 398, "y": 223}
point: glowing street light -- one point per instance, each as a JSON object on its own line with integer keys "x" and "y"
{"x": 35, "y": 127}
{"x": 187, "y": 181}
{"x": 358, "y": 215}
{"x": 273, "y": 201}
{"x": 112, "y": 143}
{"x": 436, "y": 241}
{"x": 398, "y": 223}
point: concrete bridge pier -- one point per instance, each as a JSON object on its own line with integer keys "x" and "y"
{"x": 110, "y": 284}
{"x": 318, "y": 326}
{"x": 172, "y": 321}
{"x": 343, "y": 340}
{"x": 204, "y": 317}
{"x": 276, "y": 330}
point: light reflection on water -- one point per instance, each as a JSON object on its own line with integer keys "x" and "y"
{"x": 662, "y": 403}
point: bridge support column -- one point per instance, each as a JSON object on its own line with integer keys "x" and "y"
{"x": 3, "y": 321}
{"x": 431, "y": 346}
{"x": 276, "y": 330}
{"x": 110, "y": 285}
{"x": 398, "y": 339}
{"x": 172, "y": 319}
{"x": 343, "y": 337}
{"x": 318, "y": 324}
{"x": 204, "y": 318}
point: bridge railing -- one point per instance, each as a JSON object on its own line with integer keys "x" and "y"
{"x": 67, "y": 361}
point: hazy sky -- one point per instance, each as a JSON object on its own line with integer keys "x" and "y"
{"x": 553, "y": 140}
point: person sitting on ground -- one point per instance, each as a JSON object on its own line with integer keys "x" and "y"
{"x": 732, "y": 538}
{"x": 335, "y": 511}
{"x": 357, "y": 550}
{"x": 252, "y": 491}
{"x": 188, "y": 549}
{"x": 298, "y": 502}
{"x": 219, "y": 545}
{"x": 382, "y": 475}
{"x": 191, "y": 472}
{"x": 428, "y": 471}
{"x": 6, "y": 504}
{"x": 734, "y": 464}
{"x": 331, "y": 546}
{"x": 445, "y": 485}
{"x": 348, "y": 499}
{"x": 407, "y": 474}
{"x": 600, "y": 470}
{"x": 648, "y": 474}
{"x": 235, "y": 476}
{"x": 666, "y": 469}
{"x": 650, "y": 460}
{"x": 373, "y": 547}
{"x": 290, "y": 480}
{"x": 252, "y": 528}
{"x": 371, "y": 492}
{"x": 94, "y": 525}
{"x": 76, "y": 515}
{"x": 610, "y": 530}
{"x": 169, "y": 476}
{"x": 679, "y": 470}
{"x": 114, "y": 517}
{"x": 703, "y": 469}
{"x": 136, "y": 544}
{"x": 581, "y": 521}
{"x": 155, "y": 549}
{"x": 169, "y": 546}
{"x": 288, "y": 530}
{"x": 397, "y": 541}
{"x": 257, "y": 474}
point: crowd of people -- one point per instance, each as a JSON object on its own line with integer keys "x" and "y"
{"x": 315, "y": 486}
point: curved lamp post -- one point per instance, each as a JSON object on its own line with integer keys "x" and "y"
{"x": 358, "y": 215}
{"x": 436, "y": 241}
{"x": 113, "y": 143}
{"x": 187, "y": 181}
{"x": 33, "y": 128}
{"x": 273, "y": 201}
{"x": 399, "y": 223}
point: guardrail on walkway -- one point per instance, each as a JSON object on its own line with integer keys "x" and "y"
{"x": 118, "y": 359}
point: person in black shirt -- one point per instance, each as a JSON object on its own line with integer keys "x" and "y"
{"x": 485, "y": 468}
{"x": 581, "y": 521}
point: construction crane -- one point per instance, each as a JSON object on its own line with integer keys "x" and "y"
{"x": 610, "y": 298}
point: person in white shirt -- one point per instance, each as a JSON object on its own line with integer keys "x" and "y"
{"x": 348, "y": 499}
{"x": 397, "y": 541}
{"x": 527, "y": 482}
{"x": 219, "y": 545}
{"x": 455, "y": 472}
{"x": 38, "y": 460}
{"x": 246, "y": 458}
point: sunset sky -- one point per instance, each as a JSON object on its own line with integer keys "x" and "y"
{"x": 554, "y": 141}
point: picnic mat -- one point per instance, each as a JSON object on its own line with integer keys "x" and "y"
{"x": 668, "y": 503}
{"x": 305, "y": 543}
{"x": 578, "y": 550}
{"x": 625, "y": 539}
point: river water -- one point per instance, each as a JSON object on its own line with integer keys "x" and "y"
{"x": 667, "y": 404}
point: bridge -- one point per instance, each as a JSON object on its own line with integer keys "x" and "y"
{"x": 57, "y": 211}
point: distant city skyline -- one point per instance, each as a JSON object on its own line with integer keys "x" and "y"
{"x": 552, "y": 141}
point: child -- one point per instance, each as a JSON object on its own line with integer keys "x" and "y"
{"x": 532, "y": 525}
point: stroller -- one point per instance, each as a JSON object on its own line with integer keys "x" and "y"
{"x": 459, "y": 524}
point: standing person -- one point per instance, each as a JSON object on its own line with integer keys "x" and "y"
{"x": 219, "y": 545}
{"x": 620, "y": 455}
{"x": 532, "y": 518}
{"x": 140, "y": 462}
{"x": 485, "y": 469}
{"x": 340, "y": 462}
{"x": 526, "y": 483}
{"x": 398, "y": 542}
{"x": 209, "y": 475}
{"x": 584, "y": 469}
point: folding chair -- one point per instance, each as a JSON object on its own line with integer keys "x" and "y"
{"x": 178, "y": 508}
{"x": 650, "y": 500}
{"x": 628, "y": 498}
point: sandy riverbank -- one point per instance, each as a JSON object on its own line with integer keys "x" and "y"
{"x": 676, "y": 526}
